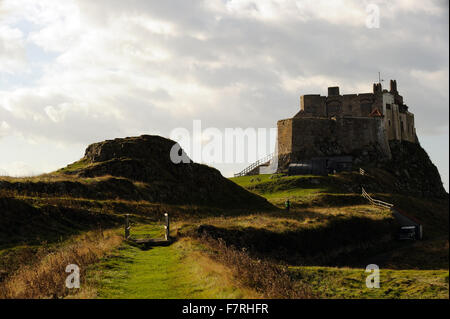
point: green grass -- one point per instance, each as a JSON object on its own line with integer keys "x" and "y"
{"x": 176, "y": 271}
{"x": 293, "y": 194}
{"x": 82, "y": 163}
{"x": 147, "y": 231}
{"x": 298, "y": 189}
{"x": 350, "y": 283}
{"x": 246, "y": 181}
{"x": 277, "y": 190}
{"x": 267, "y": 179}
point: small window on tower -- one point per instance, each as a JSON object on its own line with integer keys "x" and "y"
{"x": 388, "y": 106}
{"x": 389, "y": 121}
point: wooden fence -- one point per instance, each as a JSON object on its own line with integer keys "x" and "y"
{"x": 375, "y": 202}
{"x": 166, "y": 227}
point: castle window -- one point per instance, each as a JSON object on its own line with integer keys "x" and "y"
{"x": 401, "y": 124}
{"x": 389, "y": 122}
{"x": 388, "y": 106}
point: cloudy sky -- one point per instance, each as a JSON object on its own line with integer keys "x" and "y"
{"x": 73, "y": 72}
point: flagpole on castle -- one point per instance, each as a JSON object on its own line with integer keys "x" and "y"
{"x": 379, "y": 78}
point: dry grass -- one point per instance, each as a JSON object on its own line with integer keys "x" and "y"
{"x": 60, "y": 177}
{"x": 49, "y": 177}
{"x": 266, "y": 278}
{"x": 218, "y": 274}
{"x": 282, "y": 221}
{"x": 46, "y": 277}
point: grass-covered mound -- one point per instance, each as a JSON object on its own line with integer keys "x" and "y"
{"x": 314, "y": 198}
{"x": 140, "y": 168}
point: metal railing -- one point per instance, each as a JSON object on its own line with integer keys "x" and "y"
{"x": 254, "y": 165}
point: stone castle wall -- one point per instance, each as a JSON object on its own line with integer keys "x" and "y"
{"x": 315, "y": 105}
{"x": 399, "y": 123}
{"x": 346, "y": 124}
{"x": 304, "y": 138}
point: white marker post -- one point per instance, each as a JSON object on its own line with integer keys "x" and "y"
{"x": 167, "y": 226}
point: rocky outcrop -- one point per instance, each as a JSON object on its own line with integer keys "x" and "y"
{"x": 147, "y": 159}
{"x": 413, "y": 170}
{"x": 146, "y": 147}
{"x": 371, "y": 153}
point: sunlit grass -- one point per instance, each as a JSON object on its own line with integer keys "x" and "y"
{"x": 350, "y": 283}
{"x": 176, "y": 271}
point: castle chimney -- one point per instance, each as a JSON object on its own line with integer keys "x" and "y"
{"x": 377, "y": 88}
{"x": 333, "y": 90}
{"x": 393, "y": 85}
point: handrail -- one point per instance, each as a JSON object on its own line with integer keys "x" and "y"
{"x": 394, "y": 209}
{"x": 254, "y": 165}
{"x": 375, "y": 202}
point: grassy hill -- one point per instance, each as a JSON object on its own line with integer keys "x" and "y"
{"x": 404, "y": 264}
{"x": 114, "y": 178}
{"x": 233, "y": 237}
{"x": 338, "y": 197}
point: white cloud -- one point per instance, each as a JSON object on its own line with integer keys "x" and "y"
{"x": 436, "y": 81}
{"x": 434, "y": 8}
{"x": 342, "y": 12}
{"x": 128, "y": 67}
{"x": 17, "y": 169}
{"x": 4, "y": 128}
{"x": 12, "y": 49}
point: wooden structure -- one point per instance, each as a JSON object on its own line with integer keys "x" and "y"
{"x": 147, "y": 242}
{"x": 127, "y": 226}
{"x": 376, "y": 202}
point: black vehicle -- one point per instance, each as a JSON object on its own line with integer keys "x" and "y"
{"x": 407, "y": 233}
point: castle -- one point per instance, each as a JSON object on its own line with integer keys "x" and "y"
{"x": 349, "y": 124}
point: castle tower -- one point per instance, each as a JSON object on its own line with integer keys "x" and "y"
{"x": 333, "y": 91}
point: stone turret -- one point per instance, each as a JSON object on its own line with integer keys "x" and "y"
{"x": 377, "y": 88}
{"x": 333, "y": 91}
{"x": 393, "y": 87}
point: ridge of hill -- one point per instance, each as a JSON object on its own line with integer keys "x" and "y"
{"x": 138, "y": 168}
